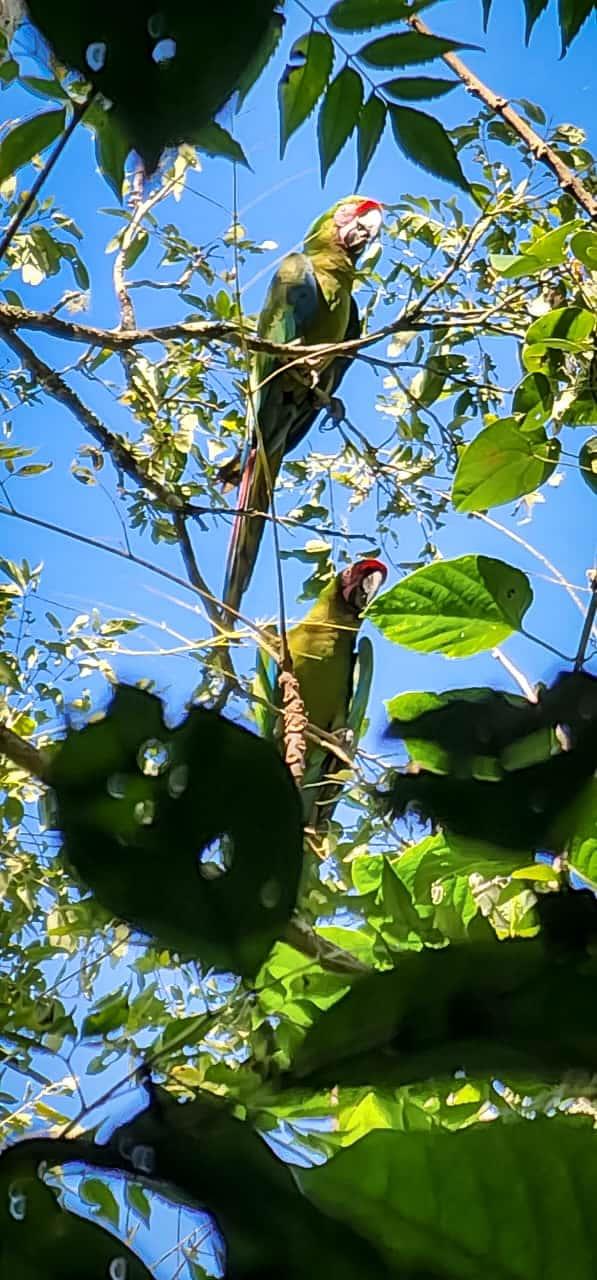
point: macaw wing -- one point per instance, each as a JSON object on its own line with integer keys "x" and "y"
{"x": 328, "y": 384}
{"x": 327, "y": 773}
{"x": 291, "y": 306}
{"x": 267, "y": 695}
{"x": 361, "y": 689}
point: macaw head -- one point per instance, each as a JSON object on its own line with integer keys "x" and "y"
{"x": 361, "y": 582}
{"x": 351, "y": 224}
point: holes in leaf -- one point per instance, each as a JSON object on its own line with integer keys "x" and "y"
{"x": 17, "y": 1204}
{"x": 153, "y": 757}
{"x": 116, "y": 786}
{"x": 118, "y": 1269}
{"x": 216, "y": 858}
{"x": 164, "y": 51}
{"x": 269, "y": 894}
{"x": 156, "y": 24}
{"x": 95, "y": 55}
{"x": 178, "y": 780}
{"x": 144, "y": 812}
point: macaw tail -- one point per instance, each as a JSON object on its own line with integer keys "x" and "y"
{"x": 247, "y": 530}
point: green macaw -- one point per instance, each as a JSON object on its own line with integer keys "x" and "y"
{"x": 334, "y": 676}
{"x": 310, "y": 301}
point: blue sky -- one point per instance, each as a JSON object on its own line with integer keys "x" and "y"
{"x": 277, "y": 201}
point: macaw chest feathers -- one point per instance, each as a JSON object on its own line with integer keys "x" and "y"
{"x": 322, "y": 660}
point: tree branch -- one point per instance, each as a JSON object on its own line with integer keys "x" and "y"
{"x": 541, "y": 150}
{"x": 122, "y": 455}
{"x": 23, "y": 754}
{"x": 79, "y": 110}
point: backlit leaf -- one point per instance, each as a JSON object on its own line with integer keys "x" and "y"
{"x": 304, "y": 81}
{"x": 424, "y": 141}
{"x": 338, "y": 116}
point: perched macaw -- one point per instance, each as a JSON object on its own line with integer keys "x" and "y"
{"x": 310, "y": 301}
{"x": 334, "y": 676}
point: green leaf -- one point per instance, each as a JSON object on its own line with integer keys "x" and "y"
{"x": 98, "y": 1195}
{"x": 110, "y": 1012}
{"x": 44, "y": 88}
{"x": 125, "y": 783}
{"x": 214, "y": 140}
{"x": 259, "y": 61}
{"x": 413, "y": 88}
{"x": 437, "y": 1204}
{"x": 513, "y": 265}
{"x": 28, "y": 139}
{"x": 487, "y": 1006}
{"x": 407, "y": 48}
{"x": 111, "y": 146}
{"x": 303, "y": 82}
{"x": 425, "y": 141}
{"x": 572, "y": 15}
{"x": 501, "y": 464}
{"x": 138, "y": 1200}
{"x": 137, "y": 246}
{"x": 338, "y": 116}
{"x": 8, "y": 677}
{"x": 587, "y": 461}
{"x": 565, "y": 328}
{"x": 533, "y": 10}
{"x": 584, "y": 247}
{"x": 533, "y": 396}
{"x": 362, "y": 15}
{"x": 370, "y": 128}
{"x": 455, "y": 607}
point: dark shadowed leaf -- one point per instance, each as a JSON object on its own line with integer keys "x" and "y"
{"x": 304, "y": 81}
{"x": 260, "y": 59}
{"x": 510, "y": 779}
{"x": 418, "y": 88}
{"x": 533, "y": 10}
{"x": 486, "y": 5}
{"x": 587, "y": 461}
{"x": 408, "y": 48}
{"x": 425, "y": 141}
{"x": 111, "y": 145}
{"x": 218, "y": 1161}
{"x": 501, "y": 464}
{"x": 438, "y": 1203}
{"x": 38, "y": 1237}
{"x": 362, "y": 15}
{"x": 27, "y": 139}
{"x": 209, "y": 870}
{"x": 456, "y": 607}
{"x": 371, "y": 126}
{"x": 478, "y": 1007}
{"x": 214, "y": 140}
{"x": 338, "y": 116}
{"x": 572, "y": 14}
{"x": 167, "y": 73}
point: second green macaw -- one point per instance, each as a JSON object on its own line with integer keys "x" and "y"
{"x": 310, "y": 301}
{"x": 333, "y": 675}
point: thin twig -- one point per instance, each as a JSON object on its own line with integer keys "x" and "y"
{"x": 23, "y": 753}
{"x": 79, "y": 110}
{"x": 122, "y": 455}
{"x": 528, "y": 546}
{"x": 519, "y": 677}
{"x": 588, "y": 624}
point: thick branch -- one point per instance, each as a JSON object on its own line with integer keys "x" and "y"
{"x": 566, "y": 179}
{"x": 121, "y": 454}
{"x": 23, "y": 754}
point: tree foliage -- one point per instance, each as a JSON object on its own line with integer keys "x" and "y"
{"x": 342, "y": 1032}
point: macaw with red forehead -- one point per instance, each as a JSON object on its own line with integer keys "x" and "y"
{"x": 309, "y": 301}
{"x": 334, "y": 675}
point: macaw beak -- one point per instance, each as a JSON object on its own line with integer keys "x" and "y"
{"x": 361, "y": 593}
{"x": 361, "y": 231}
{"x": 370, "y": 585}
